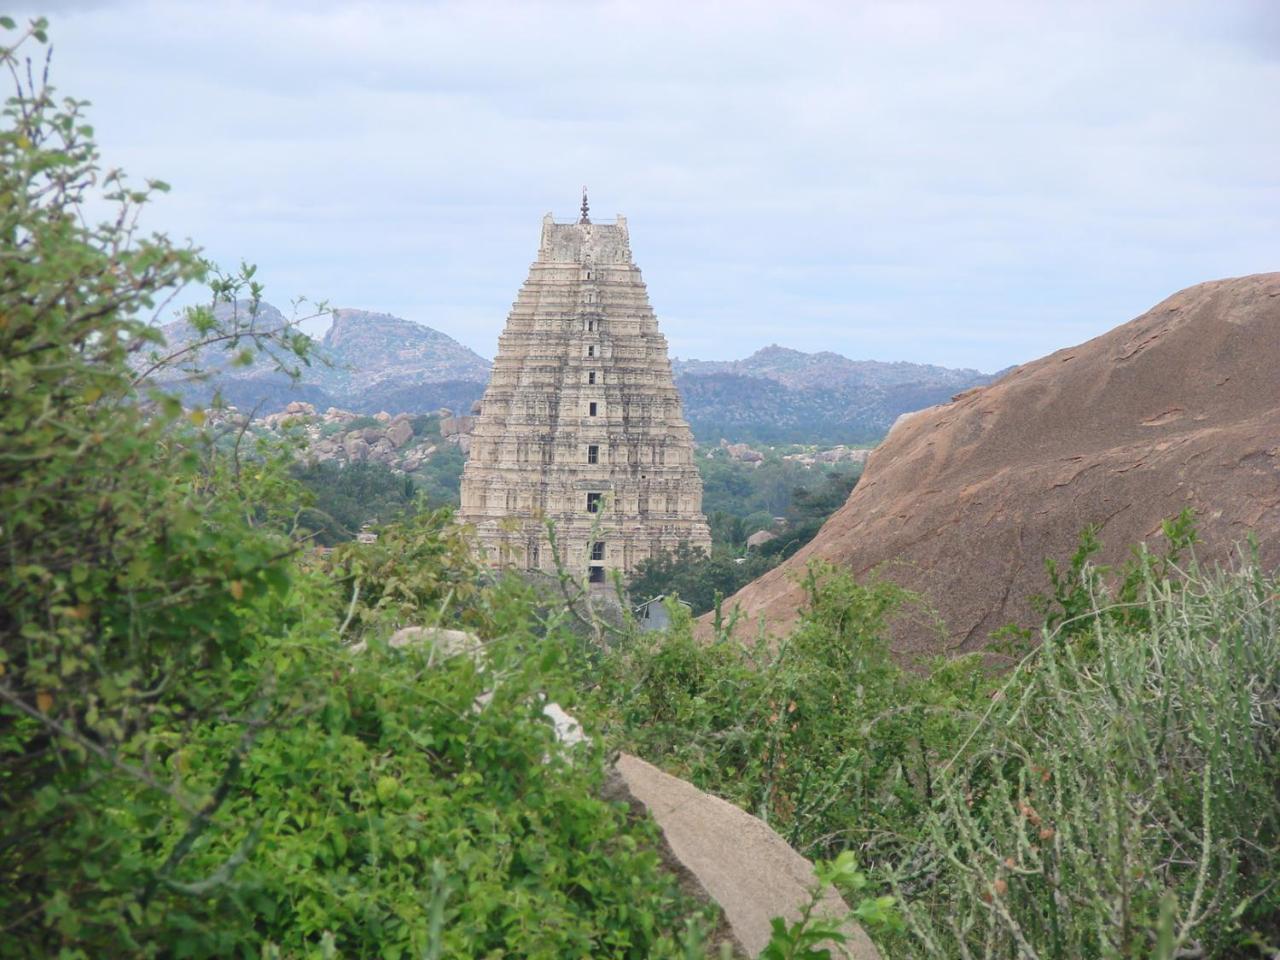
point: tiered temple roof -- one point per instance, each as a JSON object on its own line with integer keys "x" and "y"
{"x": 581, "y": 422}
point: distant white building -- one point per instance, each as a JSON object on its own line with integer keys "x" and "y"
{"x": 653, "y": 614}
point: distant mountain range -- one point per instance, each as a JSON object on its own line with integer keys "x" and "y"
{"x": 778, "y": 395}
{"x": 368, "y": 362}
{"x": 365, "y": 362}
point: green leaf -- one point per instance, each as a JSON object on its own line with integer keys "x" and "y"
{"x": 387, "y": 788}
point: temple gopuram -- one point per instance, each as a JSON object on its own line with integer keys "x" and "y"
{"x": 581, "y": 423}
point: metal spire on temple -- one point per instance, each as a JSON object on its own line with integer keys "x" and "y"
{"x": 585, "y": 208}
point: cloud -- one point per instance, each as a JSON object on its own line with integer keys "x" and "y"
{"x": 969, "y": 184}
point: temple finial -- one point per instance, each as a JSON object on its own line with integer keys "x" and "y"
{"x": 585, "y": 208}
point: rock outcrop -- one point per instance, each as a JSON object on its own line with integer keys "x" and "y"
{"x": 724, "y": 854}
{"x": 964, "y": 501}
{"x": 376, "y": 353}
{"x": 741, "y": 452}
{"x": 344, "y": 437}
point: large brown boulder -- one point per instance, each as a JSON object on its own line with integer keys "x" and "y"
{"x": 356, "y": 448}
{"x": 724, "y": 854}
{"x": 964, "y": 501}
{"x": 400, "y": 432}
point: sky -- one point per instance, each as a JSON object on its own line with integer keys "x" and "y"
{"x": 972, "y": 184}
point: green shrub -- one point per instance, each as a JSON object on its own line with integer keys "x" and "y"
{"x": 1121, "y": 800}
{"x": 1115, "y": 796}
{"x": 754, "y": 494}
{"x": 390, "y": 813}
{"x": 736, "y": 496}
{"x": 821, "y": 734}
{"x": 694, "y": 576}
{"x": 426, "y": 426}
{"x": 347, "y": 497}
{"x": 194, "y": 759}
{"x": 440, "y": 476}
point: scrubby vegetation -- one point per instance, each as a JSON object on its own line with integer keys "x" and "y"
{"x": 345, "y": 498}
{"x": 196, "y": 758}
{"x": 209, "y": 748}
{"x": 784, "y": 497}
{"x": 1115, "y": 795}
{"x": 349, "y": 497}
{"x": 821, "y": 734}
{"x": 1121, "y": 797}
{"x": 698, "y": 578}
{"x": 740, "y": 499}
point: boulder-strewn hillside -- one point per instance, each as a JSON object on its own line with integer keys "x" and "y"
{"x": 963, "y": 501}
{"x": 778, "y": 395}
{"x": 401, "y": 442}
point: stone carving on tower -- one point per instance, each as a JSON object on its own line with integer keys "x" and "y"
{"x": 581, "y": 423}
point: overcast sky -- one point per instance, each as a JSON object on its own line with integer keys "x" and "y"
{"x": 969, "y": 183}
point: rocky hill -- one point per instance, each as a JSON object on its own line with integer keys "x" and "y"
{"x": 805, "y": 371}
{"x": 778, "y": 395}
{"x": 376, "y": 355}
{"x": 370, "y": 362}
{"x": 365, "y": 362}
{"x": 403, "y": 442}
{"x": 964, "y": 501}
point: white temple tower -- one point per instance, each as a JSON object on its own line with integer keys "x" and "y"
{"x": 581, "y": 422}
